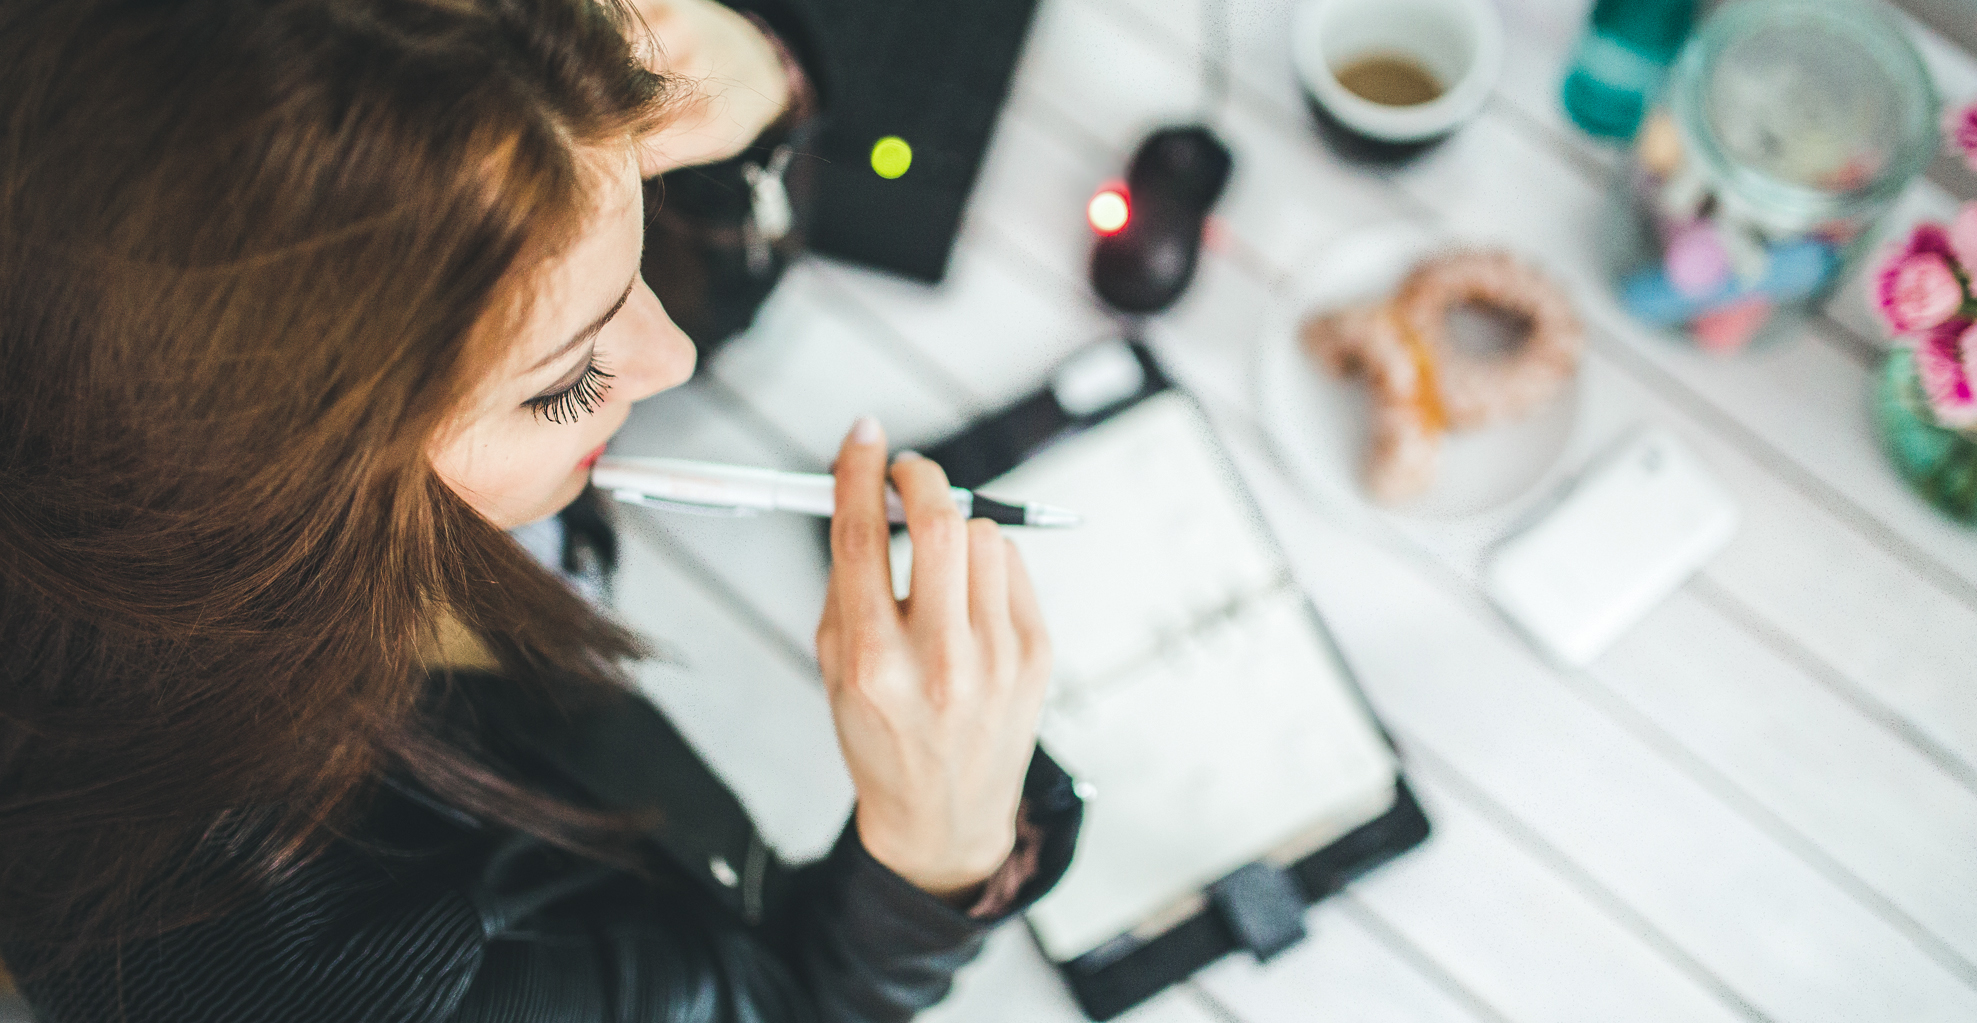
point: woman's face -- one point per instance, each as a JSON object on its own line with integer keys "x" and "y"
{"x": 522, "y": 446}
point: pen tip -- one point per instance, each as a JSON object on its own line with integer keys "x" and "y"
{"x": 1045, "y": 515}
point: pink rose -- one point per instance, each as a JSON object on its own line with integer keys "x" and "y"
{"x": 1918, "y": 291}
{"x": 1963, "y": 236}
{"x": 1929, "y": 237}
{"x": 1944, "y": 361}
{"x": 1960, "y": 126}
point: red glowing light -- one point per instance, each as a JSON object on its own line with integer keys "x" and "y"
{"x": 1108, "y": 211}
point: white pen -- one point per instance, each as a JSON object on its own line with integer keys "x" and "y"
{"x": 708, "y": 488}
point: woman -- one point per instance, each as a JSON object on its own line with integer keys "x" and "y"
{"x": 303, "y": 302}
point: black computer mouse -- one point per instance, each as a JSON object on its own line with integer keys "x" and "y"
{"x": 1172, "y": 183}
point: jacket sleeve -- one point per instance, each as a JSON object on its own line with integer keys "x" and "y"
{"x": 427, "y": 915}
{"x": 871, "y": 946}
{"x": 843, "y": 940}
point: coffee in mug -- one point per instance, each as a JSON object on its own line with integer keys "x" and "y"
{"x": 1386, "y": 79}
{"x": 1390, "y": 79}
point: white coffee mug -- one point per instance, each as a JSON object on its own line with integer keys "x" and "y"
{"x": 1460, "y": 42}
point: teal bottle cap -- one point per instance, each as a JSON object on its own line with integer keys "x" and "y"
{"x": 1657, "y": 28}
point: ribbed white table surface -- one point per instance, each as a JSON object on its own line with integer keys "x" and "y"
{"x": 1761, "y": 805}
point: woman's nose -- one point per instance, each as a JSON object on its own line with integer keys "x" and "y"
{"x": 658, "y": 353}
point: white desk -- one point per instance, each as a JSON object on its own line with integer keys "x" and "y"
{"x": 1761, "y": 805}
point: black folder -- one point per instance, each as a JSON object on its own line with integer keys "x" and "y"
{"x": 1260, "y": 906}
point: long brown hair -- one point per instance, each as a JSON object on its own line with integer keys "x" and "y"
{"x": 252, "y": 254}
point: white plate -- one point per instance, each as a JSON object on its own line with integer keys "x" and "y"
{"x": 1319, "y": 423}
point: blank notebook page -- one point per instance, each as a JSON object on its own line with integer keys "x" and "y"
{"x": 1193, "y": 690}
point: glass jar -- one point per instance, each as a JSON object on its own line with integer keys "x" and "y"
{"x": 1937, "y": 462}
{"x": 1786, "y": 128}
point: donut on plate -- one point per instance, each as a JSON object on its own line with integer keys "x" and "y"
{"x": 1421, "y": 385}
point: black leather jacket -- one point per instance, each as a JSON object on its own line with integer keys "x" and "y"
{"x": 427, "y": 914}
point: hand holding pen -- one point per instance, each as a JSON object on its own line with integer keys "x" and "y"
{"x": 936, "y": 698}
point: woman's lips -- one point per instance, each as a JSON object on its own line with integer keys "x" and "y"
{"x": 591, "y": 459}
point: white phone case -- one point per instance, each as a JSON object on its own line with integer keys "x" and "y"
{"x": 1622, "y": 538}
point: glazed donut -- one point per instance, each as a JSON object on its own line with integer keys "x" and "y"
{"x": 1421, "y": 387}
{"x": 1478, "y": 392}
{"x": 1363, "y": 341}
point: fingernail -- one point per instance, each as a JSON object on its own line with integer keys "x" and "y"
{"x": 865, "y": 430}
{"x": 908, "y": 455}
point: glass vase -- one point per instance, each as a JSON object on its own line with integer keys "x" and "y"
{"x": 1786, "y": 129}
{"x": 1936, "y": 462}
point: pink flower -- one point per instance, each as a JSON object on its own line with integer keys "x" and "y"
{"x": 1946, "y": 363}
{"x": 1960, "y": 124}
{"x": 1963, "y": 236}
{"x": 1917, "y": 291}
{"x": 1929, "y": 237}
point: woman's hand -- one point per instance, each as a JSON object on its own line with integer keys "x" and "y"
{"x": 730, "y": 75}
{"x": 936, "y": 697}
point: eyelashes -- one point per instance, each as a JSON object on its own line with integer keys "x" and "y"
{"x": 577, "y": 400}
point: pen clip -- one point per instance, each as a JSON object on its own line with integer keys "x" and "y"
{"x": 719, "y": 511}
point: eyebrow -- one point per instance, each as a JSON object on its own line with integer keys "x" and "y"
{"x": 590, "y": 330}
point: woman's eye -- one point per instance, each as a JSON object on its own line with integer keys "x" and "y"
{"x": 579, "y": 399}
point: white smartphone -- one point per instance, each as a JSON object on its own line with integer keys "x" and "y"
{"x": 1623, "y": 536}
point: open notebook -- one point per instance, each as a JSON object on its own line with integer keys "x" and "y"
{"x": 1195, "y": 691}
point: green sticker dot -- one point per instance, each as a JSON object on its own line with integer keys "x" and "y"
{"x": 891, "y": 156}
